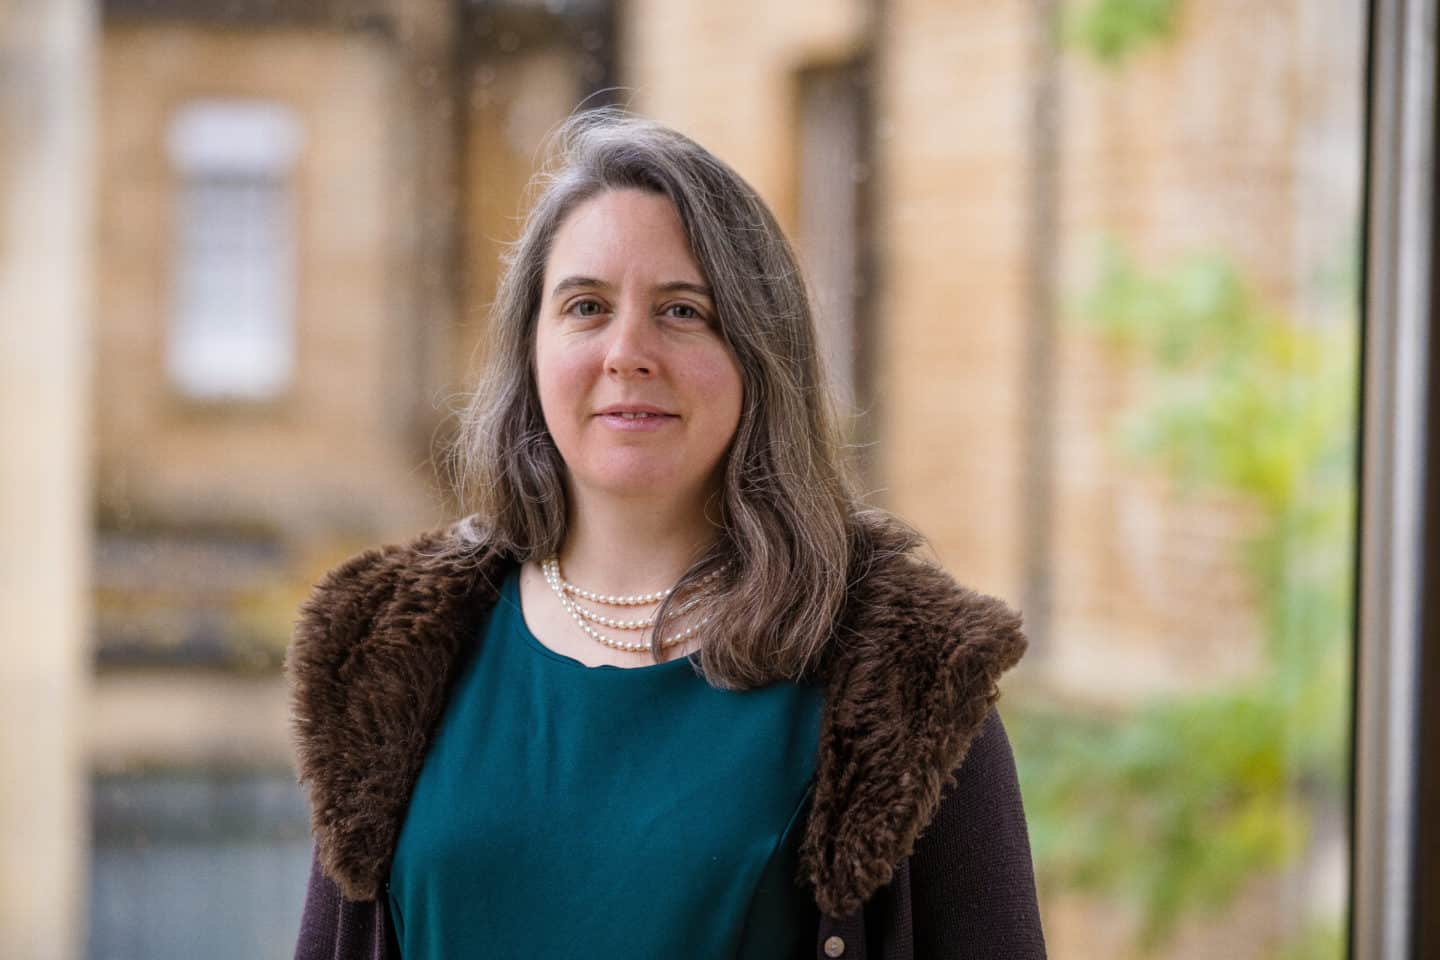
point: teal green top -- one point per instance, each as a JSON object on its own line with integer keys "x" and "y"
{"x": 606, "y": 812}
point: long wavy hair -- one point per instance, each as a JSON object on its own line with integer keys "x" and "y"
{"x": 787, "y": 520}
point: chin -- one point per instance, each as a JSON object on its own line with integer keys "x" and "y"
{"x": 639, "y": 481}
{"x": 634, "y": 484}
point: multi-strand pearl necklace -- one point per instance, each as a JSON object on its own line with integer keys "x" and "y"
{"x": 565, "y": 592}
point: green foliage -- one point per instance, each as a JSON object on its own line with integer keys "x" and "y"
{"x": 1180, "y": 803}
{"x": 1173, "y": 808}
{"x": 1111, "y": 30}
{"x": 1317, "y": 943}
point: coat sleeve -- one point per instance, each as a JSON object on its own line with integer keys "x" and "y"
{"x": 333, "y": 928}
{"x": 972, "y": 879}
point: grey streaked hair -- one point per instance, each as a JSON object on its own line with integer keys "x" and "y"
{"x": 787, "y": 520}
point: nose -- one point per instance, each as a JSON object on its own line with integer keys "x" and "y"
{"x": 631, "y": 351}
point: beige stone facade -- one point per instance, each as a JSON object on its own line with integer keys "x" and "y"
{"x": 1228, "y": 139}
{"x": 513, "y": 100}
{"x": 46, "y": 106}
{"x": 334, "y": 451}
{"x": 950, "y": 312}
{"x": 725, "y": 73}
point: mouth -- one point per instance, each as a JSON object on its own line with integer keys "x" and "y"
{"x": 629, "y": 418}
{"x": 634, "y": 412}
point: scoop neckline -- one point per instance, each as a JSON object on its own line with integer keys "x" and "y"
{"x": 511, "y": 595}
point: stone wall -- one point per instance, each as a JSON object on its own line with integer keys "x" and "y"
{"x": 336, "y": 450}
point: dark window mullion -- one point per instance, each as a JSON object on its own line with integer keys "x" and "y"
{"x": 1395, "y": 816}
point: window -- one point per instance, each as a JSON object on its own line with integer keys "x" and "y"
{"x": 831, "y": 179}
{"x": 231, "y": 334}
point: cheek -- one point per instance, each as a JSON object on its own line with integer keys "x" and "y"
{"x": 559, "y": 381}
{"x": 718, "y": 379}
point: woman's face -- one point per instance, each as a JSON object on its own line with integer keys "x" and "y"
{"x": 639, "y": 392}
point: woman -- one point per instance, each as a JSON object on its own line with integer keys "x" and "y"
{"x": 670, "y": 691}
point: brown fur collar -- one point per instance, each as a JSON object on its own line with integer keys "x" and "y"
{"x": 908, "y": 684}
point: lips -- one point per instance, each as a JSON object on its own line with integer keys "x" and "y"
{"x": 634, "y": 411}
{"x": 635, "y": 418}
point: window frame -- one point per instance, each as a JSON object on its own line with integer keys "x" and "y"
{"x": 1394, "y": 789}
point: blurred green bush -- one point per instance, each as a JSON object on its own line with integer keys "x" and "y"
{"x": 1176, "y": 805}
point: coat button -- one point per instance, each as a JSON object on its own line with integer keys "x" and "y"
{"x": 834, "y": 946}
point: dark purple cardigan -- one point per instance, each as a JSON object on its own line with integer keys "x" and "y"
{"x": 915, "y": 847}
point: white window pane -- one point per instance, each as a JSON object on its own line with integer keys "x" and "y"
{"x": 231, "y": 333}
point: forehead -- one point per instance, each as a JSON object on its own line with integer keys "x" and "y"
{"x": 623, "y": 234}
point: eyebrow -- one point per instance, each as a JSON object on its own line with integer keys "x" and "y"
{"x": 674, "y": 286}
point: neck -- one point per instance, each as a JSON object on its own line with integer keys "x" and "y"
{"x": 631, "y": 546}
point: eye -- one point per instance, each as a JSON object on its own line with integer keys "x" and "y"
{"x": 684, "y": 311}
{"x": 586, "y": 307}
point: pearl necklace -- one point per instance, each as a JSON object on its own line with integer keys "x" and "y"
{"x": 563, "y": 589}
{"x": 614, "y": 600}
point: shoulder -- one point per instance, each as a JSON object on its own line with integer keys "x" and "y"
{"x": 381, "y": 595}
{"x": 902, "y": 603}
{"x": 913, "y": 675}
{"x": 370, "y": 662}
{"x": 972, "y": 880}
